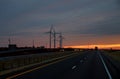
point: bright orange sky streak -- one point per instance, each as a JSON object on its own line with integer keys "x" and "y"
{"x": 107, "y": 46}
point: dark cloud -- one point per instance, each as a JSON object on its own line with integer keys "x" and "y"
{"x": 118, "y": 2}
{"x": 29, "y": 17}
{"x": 110, "y": 26}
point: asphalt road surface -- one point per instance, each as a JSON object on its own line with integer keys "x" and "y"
{"x": 90, "y": 65}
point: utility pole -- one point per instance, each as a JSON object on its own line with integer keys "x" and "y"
{"x": 33, "y": 44}
{"x": 9, "y": 40}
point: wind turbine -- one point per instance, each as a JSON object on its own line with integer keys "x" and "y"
{"x": 54, "y": 35}
{"x": 61, "y": 40}
{"x": 50, "y": 36}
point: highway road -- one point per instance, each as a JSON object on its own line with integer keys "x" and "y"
{"x": 90, "y": 65}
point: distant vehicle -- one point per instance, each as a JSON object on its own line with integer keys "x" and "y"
{"x": 96, "y": 48}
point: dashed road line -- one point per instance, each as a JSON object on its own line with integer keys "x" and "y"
{"x": 73, "y": 67}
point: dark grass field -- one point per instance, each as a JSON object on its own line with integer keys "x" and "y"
{"x": 114, "y": 54}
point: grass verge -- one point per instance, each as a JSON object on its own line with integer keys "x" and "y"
{"x": 114, "y": 54}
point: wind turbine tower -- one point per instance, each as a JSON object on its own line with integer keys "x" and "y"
{"x": 50, "y": 37}
{"x": 54, "y": 34}
{"x": 61, "y": 40}
{"x": 50, "y": 32}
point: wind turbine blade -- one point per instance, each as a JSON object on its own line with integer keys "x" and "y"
{"x": 46, "y": 32}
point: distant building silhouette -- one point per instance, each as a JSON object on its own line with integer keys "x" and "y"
{"x": 12, "y": 46}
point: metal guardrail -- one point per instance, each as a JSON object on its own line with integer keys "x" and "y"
{"x": 8, "y": 63}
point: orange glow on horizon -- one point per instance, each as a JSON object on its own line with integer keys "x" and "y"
{"x": 106, "y": 46}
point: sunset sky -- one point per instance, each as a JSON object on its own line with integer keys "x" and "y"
{"x": 86, "y": 23}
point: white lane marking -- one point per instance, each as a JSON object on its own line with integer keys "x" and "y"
{"x": 73, "y": 67}
{"x": 110, "y": 77}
